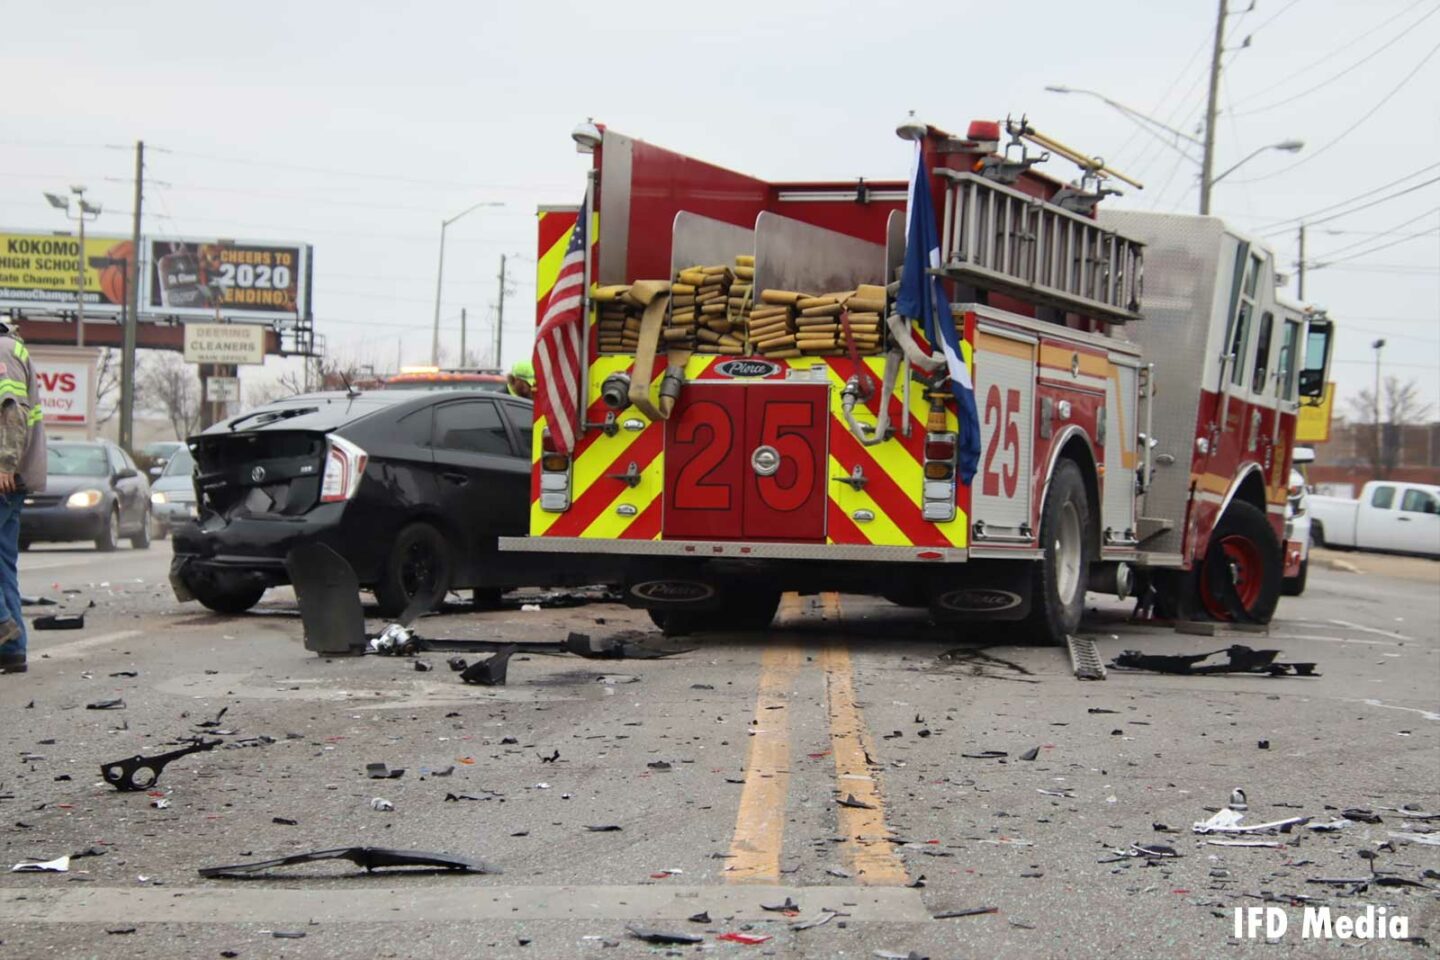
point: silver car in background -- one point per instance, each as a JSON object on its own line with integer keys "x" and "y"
{"x": 172, "y": 494}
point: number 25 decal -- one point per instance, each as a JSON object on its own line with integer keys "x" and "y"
{"x": 691, "y": 490}
{"x": 1009, "y": 474}
{"x": 782, "y": 429}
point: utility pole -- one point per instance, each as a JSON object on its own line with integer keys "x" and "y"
{"x": 1212, "y": 109}
{"x": 500, "y": 315}
{"x": 80, "y": 282}
{"x": 1300, "y": 267}
{"x": 463, "y": 324}
{"x": 132, "y": 310}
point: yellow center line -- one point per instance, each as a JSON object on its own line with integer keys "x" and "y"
{"x": 868, "y": 852}
{"x": 760, "y": 822}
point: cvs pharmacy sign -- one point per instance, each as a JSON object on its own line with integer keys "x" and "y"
{"x": 67, "y": 390}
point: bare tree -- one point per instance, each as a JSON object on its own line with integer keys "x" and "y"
{"x": 288, "y": 384}
{"x": 1399, "y": 404}
{"x": 169, "y": 385}
{"x": 107, "y": 386}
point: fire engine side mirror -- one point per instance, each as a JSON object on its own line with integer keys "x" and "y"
{"x": 1318, "y": 337}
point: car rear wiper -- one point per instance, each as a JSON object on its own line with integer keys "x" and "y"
{"x": 272, "y": 415}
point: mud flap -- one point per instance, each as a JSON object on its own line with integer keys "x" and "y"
{"x": 981, "y": 590}
{"x": 329, "y": 596}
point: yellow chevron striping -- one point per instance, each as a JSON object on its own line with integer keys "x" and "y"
{"x": 609, "y": 524}
{"x": 882, "y": 529}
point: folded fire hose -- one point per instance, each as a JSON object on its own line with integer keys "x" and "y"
{"x": 654, "y": 296}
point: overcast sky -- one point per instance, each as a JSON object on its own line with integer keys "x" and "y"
{"x": 358, "y": 126}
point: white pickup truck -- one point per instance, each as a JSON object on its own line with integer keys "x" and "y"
{"x": 1396, "y": 517}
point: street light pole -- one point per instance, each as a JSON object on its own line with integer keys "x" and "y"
{"x": 1377, "y": 346}
{"x": 84, "y": 211}
{"x": 440, "y": 276}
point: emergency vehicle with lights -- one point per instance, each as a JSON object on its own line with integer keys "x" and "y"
{"x": 1136, "y": 377}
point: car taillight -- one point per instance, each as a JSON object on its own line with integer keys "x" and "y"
{"x": 554, "y": 476}
{"x": 344, "y": 466}
{"x": 939, "y": 488}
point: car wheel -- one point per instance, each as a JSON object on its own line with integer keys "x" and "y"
{"x": 141, "y": 540}
{"x": 109, "y": 538}
{"x": 419, "y": 564}
{"x": 1059, "y": 580}
{"x": 1240, "y": 578}
{"x": 676, "y": 623}
{"x": 1317, "y": 533}
{"x": 1294, "y": 586}
{"x": 225, "y": 594}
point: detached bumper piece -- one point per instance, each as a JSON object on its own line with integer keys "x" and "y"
{"x": 370, "y": 858}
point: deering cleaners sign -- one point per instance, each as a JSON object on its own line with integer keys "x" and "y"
{"x": 224, "y": 343}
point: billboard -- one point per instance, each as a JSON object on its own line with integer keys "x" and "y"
{"x": 38, "y": 271}
{"x": 1313, "y": 426}
{"x": 235, "y": 279}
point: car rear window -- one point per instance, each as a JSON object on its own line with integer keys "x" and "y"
{"x": 321, "y": 414}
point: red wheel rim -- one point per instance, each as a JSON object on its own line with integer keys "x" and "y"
{"x": 1242, "y": 559}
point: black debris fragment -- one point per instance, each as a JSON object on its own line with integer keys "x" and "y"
{"x": 491, "y": 672}
{"x": 112, "y": 704}
{"x": 1361, "y": 815}
{"x": 850, "y": 801}
{"x": 140, "y": 772}
{"x": 702, "y": 917}
{"x": 1263, "y": 744}
{"x": 609, "y": 828}
{"x": 1030, "y": 754}
{"x": 663, "y": 936}
{"x": 368, "y": 858}
{"x": 29, "y": 601}
{"x": 423, "y": 666}
{"x": 971, "y": 912}
{"x": 662, "y": 765}
{"x": 119, "y": 931}
{"x": 216, "y": 722}
{"x": 1238, "y": 659}
{"x": 457, "y": 664}
{"x": 1101, "y": 710}
{"x": 288, "y": 934}
{"x": 550, "y": 759}
{"x": 789, "y": 906}
{"x": 986, "y": 755}
{"x": 59, "y": 621}
{"x": 126, "y": 673}
{"x": 379, "y": 771}
{"x": 285, "y": 821}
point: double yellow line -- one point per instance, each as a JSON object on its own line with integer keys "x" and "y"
{"x": 759, "y": 837}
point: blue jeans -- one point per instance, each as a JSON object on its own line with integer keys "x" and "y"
{"x": 10, "y": 572}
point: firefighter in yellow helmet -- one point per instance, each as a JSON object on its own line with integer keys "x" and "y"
{"x": 521, "y": 379}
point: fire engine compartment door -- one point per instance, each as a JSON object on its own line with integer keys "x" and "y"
{"x": 1005, "y": 399}
{"x": 747, "y": 461}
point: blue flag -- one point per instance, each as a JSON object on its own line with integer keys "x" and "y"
{"x": 922, "y": 297}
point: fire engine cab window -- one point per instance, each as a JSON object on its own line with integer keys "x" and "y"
{"x": 473, "y": 426}
{"x": 1262, "y": 353}
{"x": 1383, "y": 498}
{"x": 1240, "y": 343}
{"x": 1288, "y": 345}
{"x": 1418, "y": 501}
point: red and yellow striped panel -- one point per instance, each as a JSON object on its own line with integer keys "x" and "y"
{"x": 606, "y": 508}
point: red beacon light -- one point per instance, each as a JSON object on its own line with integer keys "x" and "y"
{"x": 984, "y": 131}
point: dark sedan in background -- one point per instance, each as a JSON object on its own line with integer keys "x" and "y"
{"x": 94, "y": 492}
{"x": 412, "y": 488}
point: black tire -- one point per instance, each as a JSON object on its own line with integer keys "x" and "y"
{"x": 109, "y": 539}
{"x": 676, "y": 623}
{"x": 1058, "y": 581}
{"x": 1240, "y": 577}
{"x": 24, "y": 545}
{"x": 1317, "y": 534}
{"x": 141, "y": 540}
{"x": 225, "y": 594}
{"x": 419, "y": 563}
{"x": 486, "y": 598}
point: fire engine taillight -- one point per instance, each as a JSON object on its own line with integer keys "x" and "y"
{"x": 554, "y": 476}
{"x": 939, "y": 492}
{"x": 344, "y": 466}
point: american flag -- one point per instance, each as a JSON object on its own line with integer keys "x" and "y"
{"x": 558, "y": 342}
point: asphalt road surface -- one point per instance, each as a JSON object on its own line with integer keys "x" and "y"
{"x": 723, "y": 767}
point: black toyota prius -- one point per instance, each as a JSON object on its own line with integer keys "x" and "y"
{"x": 412, "y": 488}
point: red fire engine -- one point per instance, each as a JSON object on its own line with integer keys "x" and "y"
{"x": 1130, "y": 440}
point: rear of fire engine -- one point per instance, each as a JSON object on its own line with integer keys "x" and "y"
{"x": 758, "y": 418}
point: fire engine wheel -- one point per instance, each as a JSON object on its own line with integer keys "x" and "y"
{"x": 1058, "y": 589}
{"x": 1240, "y": 578}
{"x": 419, "y": 563}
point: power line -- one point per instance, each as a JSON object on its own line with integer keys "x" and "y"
{"x": 1354, "y": 66}
{"x": 1306, "y": 218}
{"x": 1349, "y": 44}
{"x": 1277, "y": 15}
{"x": 1383, "y": 246}
{"x": 1392, "y": 231}
{"x": 1368, "y": 114}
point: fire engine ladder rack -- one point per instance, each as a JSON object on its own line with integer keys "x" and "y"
{"x": 998, "y": 238}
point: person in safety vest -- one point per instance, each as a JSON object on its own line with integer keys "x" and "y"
{"x": 521, "y": 379}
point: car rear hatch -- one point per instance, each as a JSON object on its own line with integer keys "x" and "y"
{"x": 271, "y": 463}
{"x": 260, "y": 473}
